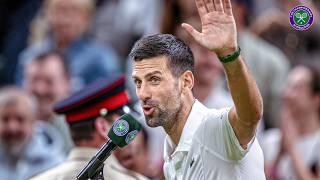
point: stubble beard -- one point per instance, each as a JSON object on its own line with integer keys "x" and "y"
{"x": 165, "y": 117}
{"x": 14, "y": 149}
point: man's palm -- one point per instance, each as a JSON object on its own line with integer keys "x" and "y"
{"x": 218, "y": 26}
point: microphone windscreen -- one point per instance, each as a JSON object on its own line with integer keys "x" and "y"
{"x": 124, "y": 130}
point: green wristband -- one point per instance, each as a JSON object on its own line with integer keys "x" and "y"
{"x": 231, "y": 57}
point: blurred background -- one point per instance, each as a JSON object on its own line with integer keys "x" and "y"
{"x": 52, "y": 48}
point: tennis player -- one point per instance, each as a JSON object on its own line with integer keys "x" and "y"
{"x": 201, "y": 143}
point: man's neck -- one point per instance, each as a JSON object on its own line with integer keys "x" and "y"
{"x": 46, "y": 117}
{"x": 62, "y": 45}
{"x": 176, "y": 129}
{"x": 308, "y": 123}
{"x": 62, "y": 42}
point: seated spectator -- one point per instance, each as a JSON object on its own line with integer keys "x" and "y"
{"x": 267, "y": 63}
{"x": 15, "y": 19}
{"x": 47, "y": 78}
{"x": 23, "y": 151}
{"x": 68, "y": 26}
{"x": 90, "y": 114}
{"x": 292, "y": 152}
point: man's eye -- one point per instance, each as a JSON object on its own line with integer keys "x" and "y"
{"x": 137, "y": 82}
{"x": 155, "y": 80}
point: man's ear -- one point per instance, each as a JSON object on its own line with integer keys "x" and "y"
{"x": 187, "y": 80}
{"x": 102, "y": 126}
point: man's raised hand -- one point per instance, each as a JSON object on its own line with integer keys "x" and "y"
{"x": 219, "y": 32}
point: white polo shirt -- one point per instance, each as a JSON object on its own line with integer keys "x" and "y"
{"x": 208, "y": 149}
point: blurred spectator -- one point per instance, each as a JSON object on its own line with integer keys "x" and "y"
{"x": 90, "y": 114}
{"x": 68, "y": 23}
{"x": 293, "y": 151}
{"x": 15, "y": 18}
{"x": 209, "y": 85}
{"x": 267, "y": 63}
{"x": 274, "y": 26}
{"x": 136, "y": 156}
{"x": 23, "y": 151}
{"x": 47, "y": 78}
{"x": 127, "y": 20}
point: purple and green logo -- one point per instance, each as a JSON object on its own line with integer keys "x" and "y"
{"x": 301, "y": 18}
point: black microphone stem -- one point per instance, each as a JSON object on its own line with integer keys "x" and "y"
{"x": 96, "y": 163}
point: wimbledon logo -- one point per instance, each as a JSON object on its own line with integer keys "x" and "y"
{"x": 121, "y": 127}
{"x": 301, "y": 18}
{"x": 131, "y": 136}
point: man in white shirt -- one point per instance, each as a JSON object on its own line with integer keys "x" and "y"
{"x": 201, "y": 143}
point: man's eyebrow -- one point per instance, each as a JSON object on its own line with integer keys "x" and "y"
{"x": 148, "y": 75}
{"x": 152, "y": 73}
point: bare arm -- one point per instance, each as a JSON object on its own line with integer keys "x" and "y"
{"x": 247, "y": 112}
{"x": 219, "y": 35}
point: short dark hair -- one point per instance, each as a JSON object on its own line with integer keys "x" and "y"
{"x": 314, "y": 69}
{"x": 179, "y": 55}
{"x": 83, "y": 130}
{"x": 315, "y": 78}
{"x": 42, "y": 57}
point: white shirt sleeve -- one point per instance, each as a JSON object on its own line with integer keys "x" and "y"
{"x": 217, "y": 135}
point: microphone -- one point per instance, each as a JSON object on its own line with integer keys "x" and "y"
{"x": 122, "y": 132}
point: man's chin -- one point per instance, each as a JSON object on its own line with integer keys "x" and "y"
{"x": 14, "y": 148}
{"x": 152, "y": 122}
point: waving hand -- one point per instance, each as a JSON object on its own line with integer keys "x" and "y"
{"x": 218, "y": 26}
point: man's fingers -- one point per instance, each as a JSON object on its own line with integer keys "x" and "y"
{"x": 209, "y": 5}
{"x": 227, "y": 7}
{"x": 193, "y": 32}
{"x": 201, "y": 8}
{"x": 218, "y": 5}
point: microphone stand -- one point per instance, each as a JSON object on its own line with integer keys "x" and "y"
{"x": 94, "y": 169}
{"x": 99, "y": 173}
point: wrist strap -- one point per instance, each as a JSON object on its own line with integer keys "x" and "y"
{"x": 231, "y": 57}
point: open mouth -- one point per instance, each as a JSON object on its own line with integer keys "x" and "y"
{"x": 148, "y": 110}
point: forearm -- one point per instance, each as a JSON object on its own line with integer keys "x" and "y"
{"x": 246, "y": 97}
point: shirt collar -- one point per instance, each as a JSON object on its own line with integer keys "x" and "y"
{"x": 86, "y": 153}
{"x": 194, "y": 120}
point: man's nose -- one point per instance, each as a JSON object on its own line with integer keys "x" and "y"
{"x": 40, "y": 88}
{"x": 144, "y": 92}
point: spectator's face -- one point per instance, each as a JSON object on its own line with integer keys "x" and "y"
{"x": 298, "y": 94}
{"x": 158, "y": 90}
{"x": 48, "y": 83}
{"x": 68, "y": 18}
{"x": 16, "y": 122}
{"x": 188, "y": 8}
{"x": 207, "y": 65}
{"x": 133, "y": 154}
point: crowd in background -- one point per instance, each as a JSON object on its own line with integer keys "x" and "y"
{"x": 52, "y": 48}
